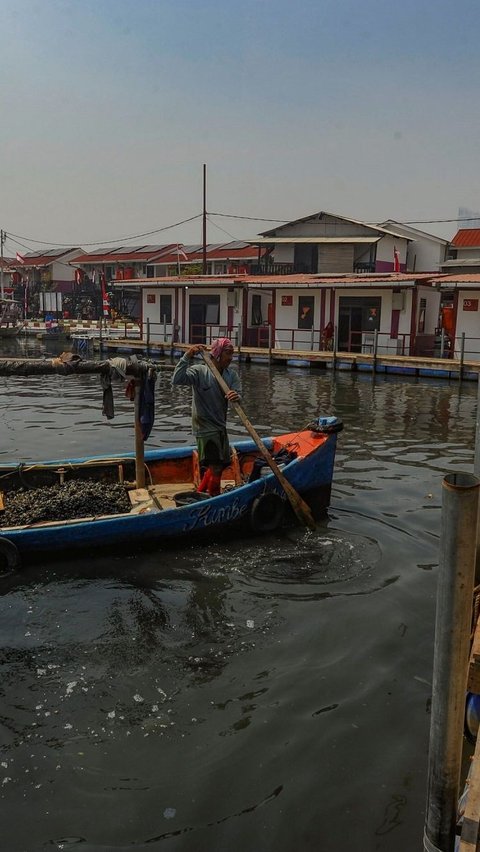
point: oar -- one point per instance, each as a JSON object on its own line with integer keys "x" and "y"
{"x": 301, "y": 509}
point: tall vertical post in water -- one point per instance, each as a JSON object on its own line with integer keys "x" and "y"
{"x": 204, "y": 221}
{"x": 450, "y": 666}
{"x": 462, "y": 356}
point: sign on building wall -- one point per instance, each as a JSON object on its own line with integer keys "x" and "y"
{"x": 150, "y": 298}
{"x": 287, "y": 301}
{"x": 470, "y": 304}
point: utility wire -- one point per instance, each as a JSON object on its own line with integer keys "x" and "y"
{"x": 251, "y": 218}
{"x": 108, "y": 242}
{"x": 236, "y": 239}
{"x": 198, "y": 216}
{"x": 435, "y": 221}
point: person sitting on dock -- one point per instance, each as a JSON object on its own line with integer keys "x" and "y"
{"x": 209, "y": 407}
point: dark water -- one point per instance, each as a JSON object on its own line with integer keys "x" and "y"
{"x": 263, "y": 695}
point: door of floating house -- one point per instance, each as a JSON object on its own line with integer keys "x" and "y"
{"x": 204, "y": 317}
{"x": 358, "y": 318}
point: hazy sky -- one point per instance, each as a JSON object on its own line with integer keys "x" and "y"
{"x": 109, "y": 108}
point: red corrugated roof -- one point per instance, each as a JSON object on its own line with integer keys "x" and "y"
{"x": 467, "y": 238}
{"x": 123, "y": 257}
{"x": 298, "y": 280}
{"x": 247, "y": 253}
{"x": 41, "y": 260}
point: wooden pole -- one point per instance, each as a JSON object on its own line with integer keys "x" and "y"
{"x": 139, "y": 443}
{"x": 204, "y": 219}
{"x": 301, "y": 509}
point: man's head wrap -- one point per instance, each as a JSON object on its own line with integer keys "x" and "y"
{"x": 219, "y": 345}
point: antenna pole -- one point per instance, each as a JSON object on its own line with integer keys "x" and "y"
{"x": 204, "y": 261}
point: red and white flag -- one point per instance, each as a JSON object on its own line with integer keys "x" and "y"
{"x": 396, "y": 260}
{"x": 181, "y": 252}
{"x": 20, "y": 259}
{"x": 105, "y": 299}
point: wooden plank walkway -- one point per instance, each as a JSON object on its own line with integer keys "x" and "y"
{"x": 415, "y": 365}
{"x": 470, "y": 836}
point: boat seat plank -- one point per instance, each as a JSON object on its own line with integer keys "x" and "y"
{"x": 138, "y": 495}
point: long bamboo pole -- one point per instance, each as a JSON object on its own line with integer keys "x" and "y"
{"x": 301, "y": 509}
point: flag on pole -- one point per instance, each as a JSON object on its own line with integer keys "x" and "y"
{"x": 181, "y": 252}
{"x": 105, "y": 299}
{"x": 20, "y": 259}
{"x": 396, "y": 260}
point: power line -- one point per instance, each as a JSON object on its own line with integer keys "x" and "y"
{"x": 221, "y": 229}
{"x": 107, "y": 242}
{"x": 251, "y": 218}
{"x": 409, "y": 222}
{"x": 436, "y": 221}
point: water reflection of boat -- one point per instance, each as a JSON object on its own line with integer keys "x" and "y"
{"x": 251, "y": 497}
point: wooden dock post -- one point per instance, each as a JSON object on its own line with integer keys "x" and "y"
{"x": 460, "y": 493}
{"x": 462, "y": 357}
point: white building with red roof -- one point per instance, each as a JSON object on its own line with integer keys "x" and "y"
{"x": 464, "y": 252}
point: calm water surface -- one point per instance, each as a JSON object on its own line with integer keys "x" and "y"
{"x": 263, "y": 695}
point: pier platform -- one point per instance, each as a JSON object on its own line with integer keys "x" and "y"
{"x": 348, "y": 361}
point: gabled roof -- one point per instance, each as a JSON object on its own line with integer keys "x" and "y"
{"x": 43, "y": 257}
{"x": 415, "y": 232}
{"x": 322, "y": 213}
{"x": 467, "y": 238}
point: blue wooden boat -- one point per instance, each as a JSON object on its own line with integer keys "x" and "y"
{"x": 170, "y": 507}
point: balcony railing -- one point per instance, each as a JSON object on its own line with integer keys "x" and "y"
{"x": 364, "y": 267}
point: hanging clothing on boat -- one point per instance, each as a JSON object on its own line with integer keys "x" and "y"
{"x": 147, "y": 402}
{"x": 108, "y": 409}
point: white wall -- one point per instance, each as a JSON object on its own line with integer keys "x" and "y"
{"x": 425, "y": 255}
{"x": 385, "y": 248}
{"x": 152, "y": 312}
{"x": 432, "y": 313}
{"x": 468, "y": 322}
{"x": 286, "y": 320}
{"x": 61, "y": 269}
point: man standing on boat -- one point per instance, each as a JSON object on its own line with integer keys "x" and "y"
{"x": 209, "y": 407}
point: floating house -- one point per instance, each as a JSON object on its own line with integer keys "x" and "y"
{"x": 396, "y": 311}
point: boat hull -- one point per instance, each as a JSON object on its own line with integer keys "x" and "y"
{"x": 311, "y": 476}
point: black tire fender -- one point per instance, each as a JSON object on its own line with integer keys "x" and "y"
{"x": 9, "y": 555}
{"x": 266, "y": 513}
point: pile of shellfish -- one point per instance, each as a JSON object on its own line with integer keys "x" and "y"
{"x": 76, "y": 498}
